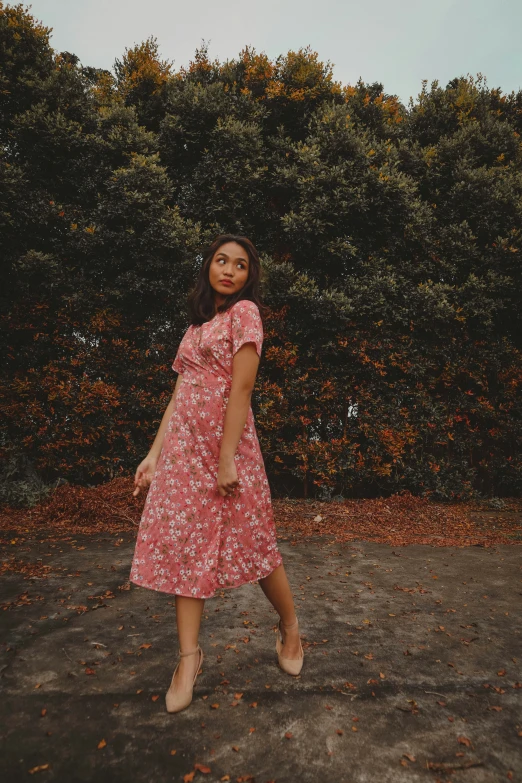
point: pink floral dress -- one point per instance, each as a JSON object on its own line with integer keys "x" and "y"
{"x": 191, "y": 540}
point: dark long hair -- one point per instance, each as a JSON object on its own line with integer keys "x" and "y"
{"x": 201, "y": 305}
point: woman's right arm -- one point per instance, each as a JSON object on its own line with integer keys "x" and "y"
{"x": 147, "y": 468}
{"x": 155, "y": 449}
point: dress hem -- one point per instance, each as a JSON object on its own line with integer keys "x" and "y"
{"x": 204, "y": 597}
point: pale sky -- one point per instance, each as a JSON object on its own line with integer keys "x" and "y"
{"x": 396, "y": 43}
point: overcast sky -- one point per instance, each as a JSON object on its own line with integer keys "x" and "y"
{"x": 396, "y": 43}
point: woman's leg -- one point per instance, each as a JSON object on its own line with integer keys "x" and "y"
{"x": 188, "y": 621}
{"x": 277, "y": 589}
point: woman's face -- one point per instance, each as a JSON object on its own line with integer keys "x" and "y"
{"x": 228, "y": 270}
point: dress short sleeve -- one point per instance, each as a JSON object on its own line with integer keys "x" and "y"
{"x": 246, "y": 325}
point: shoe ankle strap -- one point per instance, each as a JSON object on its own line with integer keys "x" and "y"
{"x": 190, "y": 652}
{"x": 292, "y": 625}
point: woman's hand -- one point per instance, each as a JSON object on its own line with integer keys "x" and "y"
{"x": 145, "y": 473}
{"x": 227, "y": 479}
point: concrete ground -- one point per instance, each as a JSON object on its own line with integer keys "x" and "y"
{"x": 412, "y": 669}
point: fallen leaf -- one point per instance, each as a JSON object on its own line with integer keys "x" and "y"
{"x": 101, "y": 744}
{"x": 40, "y": 768}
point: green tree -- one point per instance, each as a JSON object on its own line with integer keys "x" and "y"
{"x": 390, "y": 239}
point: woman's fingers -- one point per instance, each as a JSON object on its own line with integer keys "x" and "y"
{"x": 228, "y": 489}
{"x": 141, "y": 480}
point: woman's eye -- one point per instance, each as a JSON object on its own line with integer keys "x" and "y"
{"x": 240, "y": 264}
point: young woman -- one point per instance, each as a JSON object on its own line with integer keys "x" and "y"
{"x": 207, "y": 522}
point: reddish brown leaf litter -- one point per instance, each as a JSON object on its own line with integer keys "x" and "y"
{"x": 397, "y": 520}
{"x": 30, "y": 570}
{"x": 403, "y": 519}
{"x": 109, "y": 507}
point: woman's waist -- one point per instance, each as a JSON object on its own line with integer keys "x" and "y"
{"x": 206, "y": 380}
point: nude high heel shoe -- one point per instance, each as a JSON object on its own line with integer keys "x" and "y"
{"x": 289, "y": 665}
{"x": 176, "y": 698}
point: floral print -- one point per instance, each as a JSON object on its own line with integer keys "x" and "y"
{"x": 191, "y": 540}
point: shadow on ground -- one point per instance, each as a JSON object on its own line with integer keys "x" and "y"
{"x": 411, "y": 673}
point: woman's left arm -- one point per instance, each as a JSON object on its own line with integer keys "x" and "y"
{"x": 244, "y": 371}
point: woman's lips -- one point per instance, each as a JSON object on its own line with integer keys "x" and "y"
{"x": 225, "y": 282}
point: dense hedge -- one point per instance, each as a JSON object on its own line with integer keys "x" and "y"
{"x": 390, "y": 239}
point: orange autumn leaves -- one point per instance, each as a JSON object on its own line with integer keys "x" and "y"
{"x": 398, "y": 520}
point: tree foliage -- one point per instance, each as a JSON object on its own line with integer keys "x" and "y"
{"x": 390, "y": 238}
